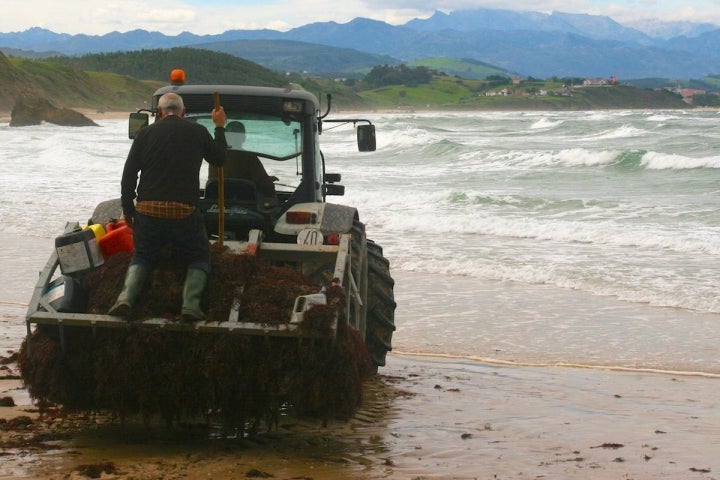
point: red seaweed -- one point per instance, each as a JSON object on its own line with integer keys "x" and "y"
{"x": 240, "y": 381}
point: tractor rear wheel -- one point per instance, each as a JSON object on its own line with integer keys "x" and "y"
{"x": 380, "y": 305}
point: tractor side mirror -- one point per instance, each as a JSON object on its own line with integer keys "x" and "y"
{"x": 137, "y": 122}
{"x": 334, "y": 189}
{"x": 332, "y": 177}
{"x": 366, "y": 138}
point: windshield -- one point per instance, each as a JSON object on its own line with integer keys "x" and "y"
{"x": 271, "y": 139}
{"x": 266, "y": 135}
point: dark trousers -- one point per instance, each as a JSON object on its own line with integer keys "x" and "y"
{"x": 188, "y": 237}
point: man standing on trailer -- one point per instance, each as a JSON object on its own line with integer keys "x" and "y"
{"x": 162, "y": 206}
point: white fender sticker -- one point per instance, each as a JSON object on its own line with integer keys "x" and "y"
{"x": 310, "y": 236}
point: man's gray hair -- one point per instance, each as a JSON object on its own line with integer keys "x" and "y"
{"x": 171, "y": 102}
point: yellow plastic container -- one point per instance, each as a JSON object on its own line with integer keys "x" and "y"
{"x": 97, "y": 229}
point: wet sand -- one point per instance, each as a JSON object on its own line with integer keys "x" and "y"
{"x": 422, "y": 418}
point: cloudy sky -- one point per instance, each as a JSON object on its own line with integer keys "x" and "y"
{"x": 216, "y": 16}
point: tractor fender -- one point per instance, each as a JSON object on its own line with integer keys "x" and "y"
{"x": 328, "y": 218}
{"x": 338, "y": 218}
{"x": 107, "y": 211}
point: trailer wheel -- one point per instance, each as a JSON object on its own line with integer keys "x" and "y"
{"x": 380, "y": 305}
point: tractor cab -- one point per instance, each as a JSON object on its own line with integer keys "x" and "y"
{"x": 273, "y": 161}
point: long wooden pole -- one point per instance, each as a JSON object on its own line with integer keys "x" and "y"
{"x": 221, "y": 190}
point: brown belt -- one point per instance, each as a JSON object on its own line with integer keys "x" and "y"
{"x": 165, "y": 209}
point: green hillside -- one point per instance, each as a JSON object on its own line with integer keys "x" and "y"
{"x": 201, "y": 66}
{"x": 66, "y": 86}
{"x": 208, "y": 67}
{"x": 124, "y": 80}
{"x": 452, "y": 93}
{"x": 460, "y": 67}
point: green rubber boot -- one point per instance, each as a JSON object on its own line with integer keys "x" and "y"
{"x": 195, "y": 282}
{"x": 134, "y": 280}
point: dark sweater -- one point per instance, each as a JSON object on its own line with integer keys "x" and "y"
{"x": 168, "y": 155}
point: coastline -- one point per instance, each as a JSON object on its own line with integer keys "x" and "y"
{"x": 95, "y": 114}
{"x": 91, "y": 113}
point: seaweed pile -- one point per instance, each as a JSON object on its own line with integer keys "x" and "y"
{"x": 265, "y": 292}
{"x": 242, "y": 382}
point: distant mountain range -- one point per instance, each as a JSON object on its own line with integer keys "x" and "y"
{"x": 529, "y": 43}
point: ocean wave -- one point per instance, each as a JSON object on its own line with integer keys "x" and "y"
{"x": 650, "y": 160}
{"x": 660, "y": 118}
{"x": 595, "y": 116}
{"x": 630, "y": 160}
{"x": 624, "y": 131}
{"x": 545, "y": 123}
{"x": 529, "y": 159}
{"x": 399, "y": 140}
{"x": 529, "y": 203}
{"x": 442, "y": 147}
{"x": 494, "y": 218}
{"x": 666, "y": 161}
{"x": 638, "y": 290}
{"x": 582, "y": 157}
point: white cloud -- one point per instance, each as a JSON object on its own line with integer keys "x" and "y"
{"x": 216, "y": 16}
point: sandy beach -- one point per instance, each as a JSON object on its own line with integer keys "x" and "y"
{"x": 422, "y": 418}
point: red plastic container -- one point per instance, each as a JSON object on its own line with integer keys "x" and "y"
{"x": 118, "y": 238}
{"x": 114, "y": 225}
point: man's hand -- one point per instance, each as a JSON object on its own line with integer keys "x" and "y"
{"x": 128, "y": 218}
{"x": 218, "y": 116}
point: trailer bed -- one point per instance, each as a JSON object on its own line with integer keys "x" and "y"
{"x": 49, "y": 290}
